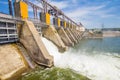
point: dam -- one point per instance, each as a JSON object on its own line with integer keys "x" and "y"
{"x": 21, "y": 45}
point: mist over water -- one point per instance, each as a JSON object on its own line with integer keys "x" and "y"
{"x": 98, "y": 59}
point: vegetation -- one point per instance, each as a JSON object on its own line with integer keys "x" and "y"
{"x": 98, "y": 32}
{"x": 53, "y": 74}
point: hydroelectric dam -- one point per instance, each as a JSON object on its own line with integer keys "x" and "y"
{"x": 21, "y": 45}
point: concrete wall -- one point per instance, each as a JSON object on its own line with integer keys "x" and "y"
{"x": 12, "y": 62}
{"x": 67, "y": 41}
{"x": 31, "y": 40}
{"x": 17, "y": 58}
{"x": 90, "y": 34}
{"x": 51, "y": 33}
{"x": 111, "y": 33}
{"x": 70, "y": 35}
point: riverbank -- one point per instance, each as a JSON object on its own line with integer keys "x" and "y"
{"x": 111, "y": 33}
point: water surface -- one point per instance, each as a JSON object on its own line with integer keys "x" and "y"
{"x": 98, "y": 59}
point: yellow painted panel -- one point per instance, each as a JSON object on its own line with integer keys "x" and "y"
{"x": 58, "y": 22}
{"x": 47, "y": 18}
{"x": 64, "y": 24}
{"x": 23, "y": 10}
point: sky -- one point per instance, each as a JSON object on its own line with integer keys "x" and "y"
{"x": 91, "y": 13}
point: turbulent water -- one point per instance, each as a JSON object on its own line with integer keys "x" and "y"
{"x": 98, "y": 59}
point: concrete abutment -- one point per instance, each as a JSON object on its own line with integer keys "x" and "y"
{"x": 65, "y": 37}
{"x": 51, "y": 34}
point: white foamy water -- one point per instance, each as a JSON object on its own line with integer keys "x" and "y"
{"x": 96, "y": 67}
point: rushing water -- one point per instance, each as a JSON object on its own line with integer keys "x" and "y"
{"x": 98, "y": 59}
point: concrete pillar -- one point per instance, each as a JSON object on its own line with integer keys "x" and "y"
{"x": 65, "y": 37}
{"x": 21, "y": 10}
{"x": 56, "y": 22}
{"x": 67, "y": 25}
{"x": 77, "y": 34}
{"x": 74, "y": 34}
{"x": 62, "y": 33}
{"x": 31, "y": 40}
{"x": 45, "y": 17}
{"x": 61, "y": 23}
{"x": 35, "y": 12}
{"x": 80, "y": 34}
{"x": 70, "y": 35}
{"x": 42, "y": 17}
{"x": 10, "y": 7}
{"x": 51, "y": 33}
{"x": 12, "y": 62}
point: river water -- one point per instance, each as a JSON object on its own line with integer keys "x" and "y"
{"x": 98, "y": 59}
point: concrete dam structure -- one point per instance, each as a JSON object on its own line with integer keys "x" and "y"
{"x": 21, "y": 47}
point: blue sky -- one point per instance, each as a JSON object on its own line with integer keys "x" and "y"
{"x": 92, "y": 13}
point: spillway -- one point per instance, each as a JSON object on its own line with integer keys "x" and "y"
{"x": 95, "y": 64}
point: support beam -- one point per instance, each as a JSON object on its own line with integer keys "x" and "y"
{"x": 10, "y": 7}
{"x": 45, "y": 17}
{"x": 21, "y": 10}
{"x": 56, "y": 22}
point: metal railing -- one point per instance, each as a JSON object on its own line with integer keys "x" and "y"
{"x": 8, "y": 29}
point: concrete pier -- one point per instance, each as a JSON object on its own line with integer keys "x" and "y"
{"x": 70, "y": 35}
{"x": 74, "y": 34}
{"x": 65, "y": 37}
{"x": 31, "y": 40}
{"x": 51, "y": 33}
{"x": 12, "y": 62}
{"x": 77, "y": 34}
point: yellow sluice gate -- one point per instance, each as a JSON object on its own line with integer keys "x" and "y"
{"x": 64, "y": 24}
{"x": 58, "y": 20}
{"x": 24, "y": 10}
{"x": 47, "y": 18}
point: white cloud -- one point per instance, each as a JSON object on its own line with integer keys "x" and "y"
{"x": 89, "y": 14}
{"x": 60, "y": 5}
{"x": 84, "y": 11}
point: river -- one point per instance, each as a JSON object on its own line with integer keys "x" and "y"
{"x": 98, "y": 59}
